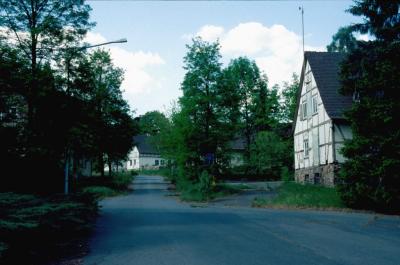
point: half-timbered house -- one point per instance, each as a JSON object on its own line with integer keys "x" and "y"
{"x": 319, "y": 126}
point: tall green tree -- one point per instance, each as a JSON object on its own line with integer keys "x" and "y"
{"x": 113, "y": 122}
{"x": 289, "y": 95}
{"x": 40, "y": 28}
{"x": 343, "y": 41}
{"x": 251, "y": 106}
{"x": 199, "y": 102}
{"x": 370, "y": 176}
{"x": 153, "y": 122}
{"x": 241, "y": 78}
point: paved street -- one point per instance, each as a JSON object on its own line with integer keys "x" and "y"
{"x": 149, "y": 228}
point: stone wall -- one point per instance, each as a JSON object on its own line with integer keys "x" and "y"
{"x": 325, "y": 175}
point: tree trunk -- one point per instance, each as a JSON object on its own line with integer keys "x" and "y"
{"x": 109, "y": 168}
{"x": 101, "y": 165}
{"x": 66, "y": 173}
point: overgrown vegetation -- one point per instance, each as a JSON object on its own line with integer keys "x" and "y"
{"x": 101, "y": 187}
{"x": 36, "y": 229}
{"x": 303, "y": 196}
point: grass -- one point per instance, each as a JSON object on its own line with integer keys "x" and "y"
{"x": 100, "y": 192}
{"x": 295, "y": 195}
{"x": 102, "y": 187}
{"x": 193, "y": 194}
{"x": 161, "y": 171}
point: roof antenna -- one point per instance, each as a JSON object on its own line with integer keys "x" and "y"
{"x": 301, "y": 8}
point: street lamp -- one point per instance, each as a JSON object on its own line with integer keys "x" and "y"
{"x": 68, "y": 62}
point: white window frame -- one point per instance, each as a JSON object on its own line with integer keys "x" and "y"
{"x": 304, "y": 110}
{"x": 315, "y": 104}
{"x": 306, "y": 146}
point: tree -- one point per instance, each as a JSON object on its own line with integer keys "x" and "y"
{"x": 343, "y": 41}
{"x": 370, "y": 176}
{"x": 113, "y": 122}
{"x": 41, "y": 28}
{"x": 241, "y": 79}
{"x": 199, "y": 102}
{"x": 250, "y": 106}
{"x": 268, "y": 152}
{"x": 289, "y": 95}
{"x": 152, "y": 123}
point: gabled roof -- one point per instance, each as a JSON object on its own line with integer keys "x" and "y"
{"x": 144, "y": 144}
{"x": 325, "y": 67}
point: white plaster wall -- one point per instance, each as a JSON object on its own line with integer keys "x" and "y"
{"x": 150, "y": 161}
{"x": 133, "y": 159}
{"x": 317, "y": 128}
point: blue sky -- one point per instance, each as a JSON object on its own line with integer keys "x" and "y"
{"x": 268, "y": 32}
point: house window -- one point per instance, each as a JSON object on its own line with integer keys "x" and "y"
{"x": 308, "y": 81}
{"x": 134, "y": 162}
{"x": 162, "y": 162}
{"x": 130, "y": 162}
{"x": 317, "y": 178}
{"x": 304, "y": 109}
{"x": 156, "y": 162}
{"x": 306, "y": 148}
{"x": 315, "y": 104}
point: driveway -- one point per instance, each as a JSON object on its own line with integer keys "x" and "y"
{"x": 149, "y": 228}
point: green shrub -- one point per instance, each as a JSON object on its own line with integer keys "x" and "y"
{"x": 286, "y": 174}
{"x": 33, "y": 228}
{"x": 100, "y": 192}
{"x": 206, "y": 183}
{"x": 121, "y": 181}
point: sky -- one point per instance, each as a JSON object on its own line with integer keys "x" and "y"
{"x": 268, "y": 32}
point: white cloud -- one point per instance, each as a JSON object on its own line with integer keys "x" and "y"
{"x": 137, "y": 66}
{"x": 94, "y": 38}
{"x": 276, "y": 50}
{"x": 210, "y": 32}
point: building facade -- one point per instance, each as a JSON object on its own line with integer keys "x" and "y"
{"x": 144, "y": 155}
{"x": 320, "y": 129}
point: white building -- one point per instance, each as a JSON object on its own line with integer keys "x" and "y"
{"x": 145, "y": 154}
{"x": 320, "y": 128}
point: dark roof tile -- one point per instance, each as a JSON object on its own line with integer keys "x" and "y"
{"x": 325, "y": 67}
{"x": 145, "y": 145}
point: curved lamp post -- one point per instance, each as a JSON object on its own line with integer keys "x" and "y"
{"x": 68, "y": 62}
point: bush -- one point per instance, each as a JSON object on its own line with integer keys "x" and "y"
{"x": 308, "y": 196}
{"x": 286, "y": 174}
{"x": 100, "y": 192}
{"x": 119, "y": 182}
{"x": 206, "y": 183}
{"x": 34, "y": 229}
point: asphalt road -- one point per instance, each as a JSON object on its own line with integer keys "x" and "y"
{"x": 150, "y": 228}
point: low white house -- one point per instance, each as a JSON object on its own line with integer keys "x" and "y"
{"x": 319, "y": 126}
{"x": 144, "y": 155}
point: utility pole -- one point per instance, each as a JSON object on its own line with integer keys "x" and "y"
{"x": 301, "y": 8}
{"x": 68, "y": 64}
